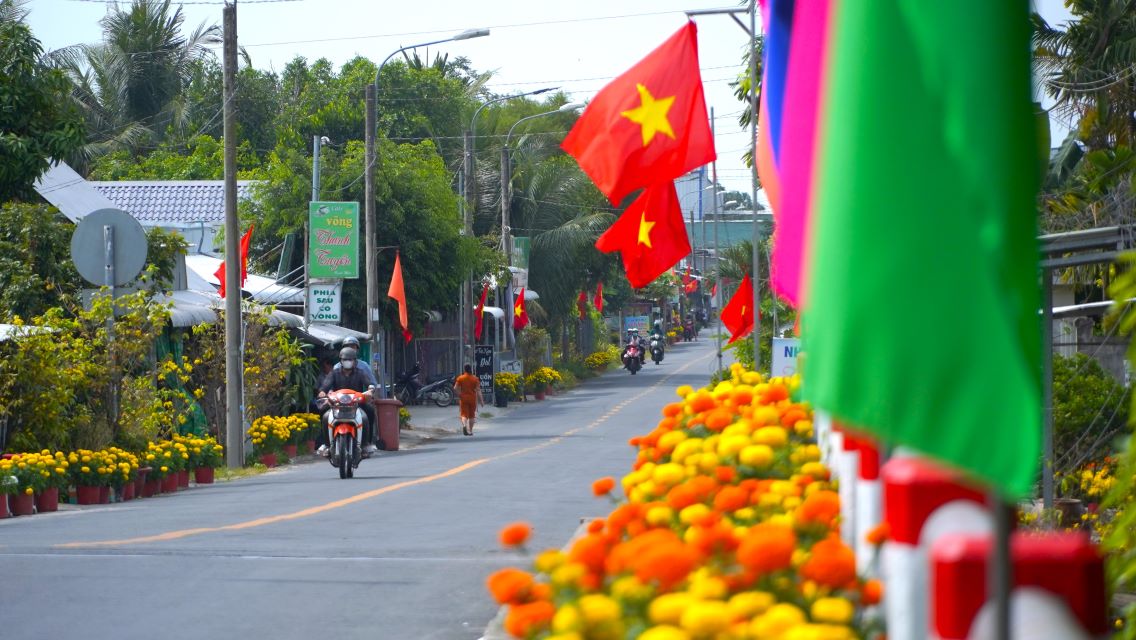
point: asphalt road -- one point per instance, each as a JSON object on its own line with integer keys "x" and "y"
{"x": 401, "y": 551}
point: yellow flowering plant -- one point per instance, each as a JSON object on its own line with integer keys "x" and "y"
{"x": 34, "y": 472}
{"x": 204, "y": 451}
{"x": 509, "y": 384}
{"x": 123, "y": 466}
{"x": 269, "y": 434}
{"x": 304, "y": 428}
{"x": 89, "y": 468}
{"x": 542, "y": 379}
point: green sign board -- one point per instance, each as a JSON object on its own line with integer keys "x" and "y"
{"x": 333, "y": 240}
{"x": 522, "y": 245}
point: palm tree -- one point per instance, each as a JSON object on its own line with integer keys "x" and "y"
{"x": 132, "y": 85}
{"x": 1089, "y": 68}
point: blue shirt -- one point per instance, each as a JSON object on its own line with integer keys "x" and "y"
{"x": 363, "y": 367}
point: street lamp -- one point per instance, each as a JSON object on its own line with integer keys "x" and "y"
{"x": 468, "y": 188}
{"x": 372, "y": 260}
{"x": 506, "y": 202}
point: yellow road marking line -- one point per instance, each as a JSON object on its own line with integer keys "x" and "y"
{"x": 366, "y": 495}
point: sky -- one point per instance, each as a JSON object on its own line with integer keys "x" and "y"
{"x": 576, "y": 46}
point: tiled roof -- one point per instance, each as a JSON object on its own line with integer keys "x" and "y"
{"x": 171, "y": 202}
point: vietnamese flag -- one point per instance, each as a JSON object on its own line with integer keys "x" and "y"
{"x": 737, "y": 315}
{"x": 650, "y": 234}
{"x": 925, "y": 192}
{"x": 582, "y": 304}
{"x": 520, "y": 316}
{"x": 220, "y": 272}
{"x": 479, "y": 312}
{"x": 398, "y": 292}
{"x": 649, "y": 124}
{"x": 598, "y": 299}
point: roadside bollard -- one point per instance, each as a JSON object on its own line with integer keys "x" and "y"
{"x": 846, "y": 467}
{"x": 922, "y": 502}
{"x": 869, "y": 502}
{"x": 1058, "y": 593}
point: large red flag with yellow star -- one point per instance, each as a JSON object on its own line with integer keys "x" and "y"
{"x": 649, "y": 124}
{"x": 650, "y": 235}
{"x": 737, "y": 315}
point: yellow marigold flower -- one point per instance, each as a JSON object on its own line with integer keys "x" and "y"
{"x": 706, "y": 618}
{"x": 756, "y": 455}
{"x": 660, "y": 515}
{"x": 748, "y": 604}
{"x": 772, "y": 436}
{"x": 567, "y": 619}
{"x": 631, "y": 589}
{"x": 777, "y": 620}
{"x": 668, "y": 474}
{"x": 664, "y": 632}
{"x": 709, "y": 588}
{"x": 164, "y": 468}
{"x": 29, "y": 491}
{"x": 834, "y": 610}
{"x": 549, "y": 560}
{"x": 684, "y": 390}
{"x": 597, "y": 608}
{"x": 567, "y": 574}
{"x": 85, "y": 469}
{"x": 818, "y": 632}
{"x": 668, "y": 608}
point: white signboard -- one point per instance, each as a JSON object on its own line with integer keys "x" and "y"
{"x": 512, "y": 366}
{"x": 325, "y": 302}
{"x": 785, "y": 356}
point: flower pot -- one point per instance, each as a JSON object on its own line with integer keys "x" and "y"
{"x": 128, "y": 491}
{"x": 4, "y": 506}
{"x": 203, "y": 475}
{"x": 268, "y": 459}
{"x": 500, "y": 399}
{"x": 22, "y": 504}
{"x": 310, "y": 445}
{"x": 152, "y": 487}
{"x": 539, "y": 395}
{"x": 87, "y": 495}
{"x": 104, "y": 495}
{"x": 183, "y": 479}
{"x": 290, "y": 450}
{"x": 170, "y": 483}
{"x": 47, "y": 500}
{"x": 140, "y": 482}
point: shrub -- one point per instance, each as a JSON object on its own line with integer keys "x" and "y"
{"x": 508, "y": 384}
{"x": 540, "y": 380}
{"x": 599, "y": 360}
{"x": 1090, "y": 409}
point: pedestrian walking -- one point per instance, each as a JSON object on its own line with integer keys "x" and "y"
{"x": 468, "y": 388}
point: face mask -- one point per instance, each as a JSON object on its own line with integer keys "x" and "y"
{"x": 348, "y": 364}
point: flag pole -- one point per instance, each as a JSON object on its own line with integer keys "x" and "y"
{"x": 753, "y": 141}
{"x": 717, "y": 271}
{"x": 1000, "y": 569}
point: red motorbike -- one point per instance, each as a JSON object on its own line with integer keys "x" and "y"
{"x": 345, "y": 423}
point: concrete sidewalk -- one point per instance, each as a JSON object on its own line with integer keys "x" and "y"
{"x": 430, "y": 422}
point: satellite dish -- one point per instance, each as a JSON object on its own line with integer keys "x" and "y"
{"x": 89, "y": 249}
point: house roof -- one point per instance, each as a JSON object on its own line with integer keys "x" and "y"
{"x": 171, "y": 202}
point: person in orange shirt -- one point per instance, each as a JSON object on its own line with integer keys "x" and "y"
{"x": 468, "y": 388}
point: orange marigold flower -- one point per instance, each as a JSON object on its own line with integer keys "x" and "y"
{"x": 603, "y": 486}
{"x": 590, "y": 551}
{"x": 516, "y": 534}
{"x": 701, "y": 401}
{"x": 718, "y": 419}
{"x": 831, "y": 563}
{"x": 742, "y": 396}
{"x": 595, "y": 526}
{"x": 822, "y": 507}
{"x": 878, "y": 534}
{"x": 767, "y": 547}
{"x": 872, "y": 592}
{"x": 681, "y": 497}
{"x": 774, "y": 393}
{"x": 523, "y": 620}
{"x": 509, "y": 585}
{"x": 672, "y": 409}
{"x": 792, "y": 415}
{"x": 731, "y": 499}
{"x": 634, "y": 441}
{"x": 667, "y": 564}
{"x": 725, "y": 474}
{"x": 540, "y": 591}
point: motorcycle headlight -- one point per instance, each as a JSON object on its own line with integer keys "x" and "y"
{"x": 345, "y": 398}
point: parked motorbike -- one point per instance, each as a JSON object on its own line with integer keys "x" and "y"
{"x": 408, "y": 388}
{"x": 632, "y": 358}
{"x": 345, "y": 429}
{"x": 657, "y": 348}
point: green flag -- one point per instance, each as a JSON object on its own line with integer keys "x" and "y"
{"x": 921, "y": 322}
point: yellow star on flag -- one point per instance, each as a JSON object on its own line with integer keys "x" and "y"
{"x": 645, "y": 231}
{"x": 651, "y": 115}
{"x": 743, "y": 310}
{"x": 517, "y": 310}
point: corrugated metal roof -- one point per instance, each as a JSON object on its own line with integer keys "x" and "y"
{"x": 171, "y": 202}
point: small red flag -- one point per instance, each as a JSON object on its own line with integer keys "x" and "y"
{"x": 582, "y": 304}
{"x": 598, "y": 299}
{"x": 649, "y": 124}
{"x": 650, "y": 234}
{"x": 398, "y": 292}
{"x": 220, "y": 272}
{"x": 520, "y": 316}
{"x": 686, "y": 277}
{"x": 479, "y": 312}
{"x": 737, "y": 315}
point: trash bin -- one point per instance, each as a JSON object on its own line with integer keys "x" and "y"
{"x": 387, "y": 411}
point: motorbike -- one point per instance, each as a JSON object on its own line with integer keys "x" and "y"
{"x": 632, "y": 358}
{"x": 688, "y": 331}
{"x": 656, "y": 348}
{"x": 408, "y": 388}
{"x": 345, "y": 430}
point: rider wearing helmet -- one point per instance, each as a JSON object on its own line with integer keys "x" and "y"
{"x": 353, "y": 342}
{"x": 346, "y": 375}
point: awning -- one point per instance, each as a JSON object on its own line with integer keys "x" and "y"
{"x": 496, "y": 312}
{"x": 200, "y": 275}
{"x": 328, "y": 335}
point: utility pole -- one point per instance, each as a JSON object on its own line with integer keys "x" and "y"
{"x": 717, "y": 271}
{"x": 371, "y": 258}
{"x": 234, "y": 366}
{"x": 506, "y": 240}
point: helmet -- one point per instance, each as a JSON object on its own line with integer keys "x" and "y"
{"x": 351, "y": 341}
{"x": 347, "y": 357}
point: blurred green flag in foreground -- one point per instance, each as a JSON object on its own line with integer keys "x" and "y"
{"x": 921, "y": 313}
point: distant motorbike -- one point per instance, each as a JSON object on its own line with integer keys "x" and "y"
{"x": 408, "y": 388}
{"x": 345, "y": 429}
{"x": 633, "y": 358}
{"x": 657, "y": 348}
